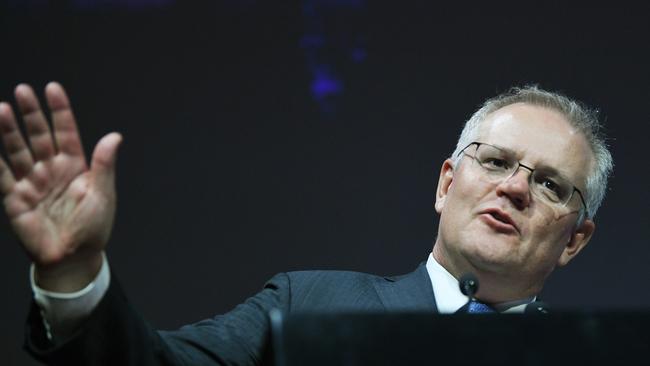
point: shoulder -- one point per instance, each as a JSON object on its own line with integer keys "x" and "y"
{"x": 325, "y": 280}
{"x": 327, "y": 290}
{"x": 326, "y": 276}
{"x": 332, "y": 290}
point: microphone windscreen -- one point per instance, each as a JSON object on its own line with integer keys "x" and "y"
{"x": 536, "y": 307}
{"x": 468, "y": 284}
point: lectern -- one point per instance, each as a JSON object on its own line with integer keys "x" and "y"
{"x": 571, "y": 338}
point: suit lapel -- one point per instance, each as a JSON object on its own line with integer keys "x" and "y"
{"x": 410, "y": 292}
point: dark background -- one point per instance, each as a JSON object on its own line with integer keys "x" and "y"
{"x": 235, "y": 166}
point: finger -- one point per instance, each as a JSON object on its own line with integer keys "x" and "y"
{"x": 66, "y": 134}
{"x": 103, "y": 161}
{"x": 20, "y": 157}
{"x": 24, "y": 198}
{"x": 7, "y": 180}
{"x": 38, "y": 131}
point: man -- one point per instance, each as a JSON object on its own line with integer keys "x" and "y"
{"x": 516, "y": 199}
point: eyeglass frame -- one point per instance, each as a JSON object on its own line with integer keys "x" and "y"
{"x": 519, "y": 165}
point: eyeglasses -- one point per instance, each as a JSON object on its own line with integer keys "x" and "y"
{"x": 546, "y": 184}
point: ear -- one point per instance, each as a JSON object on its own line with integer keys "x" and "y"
{"x": 444, "y": 182}
{"x": 578, "y": 240}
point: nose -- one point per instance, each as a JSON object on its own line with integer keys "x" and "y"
{"x": 516, "y": 187}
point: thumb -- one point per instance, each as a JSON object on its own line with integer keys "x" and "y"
{"x": 102, "y": 165}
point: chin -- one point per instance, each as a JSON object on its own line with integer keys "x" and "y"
{"x": 492, "y": 255}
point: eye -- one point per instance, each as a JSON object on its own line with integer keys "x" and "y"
{"x": 496, "y": 163}
{"x": 551, "y": 186}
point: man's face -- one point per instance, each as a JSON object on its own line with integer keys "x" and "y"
{"x": 472, "y": 236}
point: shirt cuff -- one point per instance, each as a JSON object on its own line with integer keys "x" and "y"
{"x": 63, "y": 312}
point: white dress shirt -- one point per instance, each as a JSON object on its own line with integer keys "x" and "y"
{"x": 449, "y": 298}
{"x": 63, "y": 312}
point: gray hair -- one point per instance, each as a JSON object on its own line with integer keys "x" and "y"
{"x": 580, "y": 116}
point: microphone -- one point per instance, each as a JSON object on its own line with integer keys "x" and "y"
{"x": 536, "y": 307}
{"x": 468, "y": 285}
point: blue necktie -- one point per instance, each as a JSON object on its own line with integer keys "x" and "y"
{"x": 476, "y": 307}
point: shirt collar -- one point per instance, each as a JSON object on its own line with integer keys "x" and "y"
{"x": 449, "y": 298}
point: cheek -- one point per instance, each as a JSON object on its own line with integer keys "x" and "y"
{"x": 469, "y": 189}
{"x": 551, "y": 234}
{"x": 463, "y": 196}
{"x": 558, "y": 225}
{"x": 547, "y": 216}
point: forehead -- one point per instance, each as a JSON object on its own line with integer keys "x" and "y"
{"x": 540, "y": 137}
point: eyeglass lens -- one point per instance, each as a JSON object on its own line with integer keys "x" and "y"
{"x": 500, "y": 164}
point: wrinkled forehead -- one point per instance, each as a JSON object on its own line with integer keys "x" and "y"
{"x": 539, "y": 137}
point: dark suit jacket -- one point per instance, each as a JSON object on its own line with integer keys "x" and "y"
{"x": 116, "y": 335}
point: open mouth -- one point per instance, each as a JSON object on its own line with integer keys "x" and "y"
{"x": 500, "y": 218}
{"x": 499, "y": 221}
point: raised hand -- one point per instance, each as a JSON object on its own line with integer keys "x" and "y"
{"x": 61, "y": 210}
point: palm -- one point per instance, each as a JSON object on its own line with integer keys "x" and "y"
{"x": 54, "y": 221}
{"x": 56, "y": 204}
